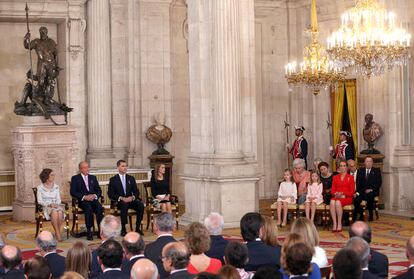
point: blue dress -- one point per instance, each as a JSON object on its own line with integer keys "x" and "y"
{"x": 315, "y": 274}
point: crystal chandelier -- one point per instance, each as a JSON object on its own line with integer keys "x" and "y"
{"x": 316, "y": 71}
{"x": 369, "y": 40}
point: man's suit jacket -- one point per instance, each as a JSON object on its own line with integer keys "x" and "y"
{"x": 96, "y": 268}
{"x": 261, "y": 254}
{"x": 116, "y": 190}
{"x": 217, "y": 246}
{"x": 78, "y": 188}
{"x": 128, "y": 264}
{"x": 153, "y": 253}
{"x": 373, "y": 181}
{"x": 181, "y": 275}
{"x": 409, "y": 274}
{"x": 13, "y": 274}
{"x": 378, "y": 264}
{"x": 113, "y": 274}
{"x": 368, "y": 275}
{"x": 56, "y": 263}
{"x": 1, "y": 270}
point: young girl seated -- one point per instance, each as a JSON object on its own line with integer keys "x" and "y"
{"x": 314, "y": 195}
{"x": 287, "y": 195}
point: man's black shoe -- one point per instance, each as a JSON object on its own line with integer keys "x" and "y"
{"x": 89, "y": 235}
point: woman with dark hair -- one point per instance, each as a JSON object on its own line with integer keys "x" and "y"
{"x": 160, "y": 189}
{"x": 343, "y": 187}
{"x": 48, "y": 195}
{"x": 326, "y": 179}
{"x": 236, "y": 254}
{"x": 229, "y": 272}
{"x": 79, "y": 259}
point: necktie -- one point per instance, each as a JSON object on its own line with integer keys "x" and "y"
{"x": 367, "y": 174}
{"x": 123, "y": 183}
{"x": 85, "y": 179}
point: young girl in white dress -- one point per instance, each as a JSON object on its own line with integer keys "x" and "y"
{"x": 314, "y": 196}
{"x": 287, "y": 195}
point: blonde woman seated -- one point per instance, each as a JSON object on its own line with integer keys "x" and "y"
{"x": 269, "y": 232}
{"x": 286, "y": 195}
{"x": 48, "y": 195}
{"x": 79, "y": 260}
{"x": 305, "y": 228}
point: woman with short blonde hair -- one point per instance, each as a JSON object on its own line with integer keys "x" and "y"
{"x": 269, "y": 232}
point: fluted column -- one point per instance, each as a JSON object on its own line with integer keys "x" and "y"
{"x": 99, "y": 84}
{"x": 226, "y": 67}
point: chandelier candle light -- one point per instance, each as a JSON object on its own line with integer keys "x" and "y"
{"x": 369, "y": 40}
{"x": 316, "y": 71}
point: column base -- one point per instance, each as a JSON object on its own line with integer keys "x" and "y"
{"x": 23, "y": 211}
{"x": 101, "y": 159}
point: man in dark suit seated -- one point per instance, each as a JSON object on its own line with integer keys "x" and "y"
{"x": 409, "y": 251}
{"x": 11, "y": 259}
{"x": 346, "y": 265}
{"x": 144, "y": 269}
{"x": 175, "y": 259}
{"x": 214, "y": 223}
{"x": 260, "y": 254}
{"x": 47, "y": 244}
{"x": 37, "y": 267}
{"x": 378, "y": 263}
{"x": 361, "y": 248}
{"x": 110, "y": 256}
{"x": 86, "y": 189}
{"x": 110, "y": 228}
{"x": 164, "y": 224}
{"x": 368, "y": 185}
{"x": 123, "y": 189}
{"x": 134, "y": 247}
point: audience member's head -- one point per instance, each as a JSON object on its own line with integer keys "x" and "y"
{"x": 175, "y": 255}
{"x": 79, "y": 259}
{"x": 346, "y": 265}
{"x": 110, "y": 227}
{"x": 236, "y": 254}
{"x": 250, "y": 225}
{"x": 144, "y": 269}
{"x": 352, "y": 166}
{"x": 290, "y": 240}
{"x": 197, "y": 238}
{"x": 133, "y": 244}
{"x": 324, "y": 168}
{"x": 267, "y": 272}
{"x": 298, "y": 259}
{"x": 214, "y": 223}
{"x": 10, "y": 257}
{"x": 46, "y": 242}
{"x": 37, "y": 268}
{"x": 360, "y": 229}
{"x": 368, "y": 162}
{"x": 269, "y": 232}
{"x": 72, "y": 275}
{"x": 110, "y": 254}
{"x": 228, "y": 272}
{"x": 361, "y": 248}
{"x": 164, "y": 223}
{"x": 409, "y": 249}
{"x": 307, "y": 230}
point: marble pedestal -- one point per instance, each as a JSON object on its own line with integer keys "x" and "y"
{"x": 224, "y": 187}
{"x": 38, "y": 144}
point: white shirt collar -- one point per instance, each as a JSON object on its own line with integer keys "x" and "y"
{"x": 411, "y": 266}
{"x": 109, "y": 269}
{"x": 293, "y": 276}
{"x": 121, "y": 175}
{"x": 137, "y": 256}
{"x": 343, "y": 141}
{"x": 48, "y": 253}
{"x": 178, "y": 270}
{"x": 84, "y": 176}
{"x": 365, "y": 268}
{"x": 258, "y": 239}
{"x": 164, "y": 234}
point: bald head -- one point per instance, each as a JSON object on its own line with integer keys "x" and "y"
{"x": 133, "y": 244}
{"x": 144, "y": 269}
{"x": 410, "y": 249}
{"x": 176, "y": 256}
{"x": 10, "y": 257}
{"x": 360, "y": 229}
{"x": 46, "y": 242}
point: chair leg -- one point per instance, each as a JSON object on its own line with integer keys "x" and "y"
{"x": 273, "y": 214}
{"x": 152, "y": 222}
{"x": 350, "y": 218}
{"x": 40, "y": 223}
{"x": 130, "y": 223}
{"x": 376, "y": 211}
{"x": 37, "y": 226}
{"x": 67, "y": 225}
{"x": 148, "y": 220}
{"x": 177, "y": 217}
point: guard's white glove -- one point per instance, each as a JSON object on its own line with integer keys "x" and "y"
{"x": 331, "y": 148}
{"x": 287, "y": 145}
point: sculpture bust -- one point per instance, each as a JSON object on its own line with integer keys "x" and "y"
{"x": 371, "y": 133}
{"x": 159, "y": 134}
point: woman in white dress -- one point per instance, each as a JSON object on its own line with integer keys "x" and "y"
{"x": 48, "y": 195}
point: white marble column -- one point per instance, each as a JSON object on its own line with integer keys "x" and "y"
{"x": 218, "y": 176}
{"x": 99, "y": 85}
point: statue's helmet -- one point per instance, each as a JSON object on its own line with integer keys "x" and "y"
{"x": 43, "y": 30}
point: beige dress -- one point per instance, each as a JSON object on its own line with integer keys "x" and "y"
{"x": 46, "y": 196}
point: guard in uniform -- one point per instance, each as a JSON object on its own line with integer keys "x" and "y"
{"x": 343, "y": 151}
{"x": 300, "y": 146}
